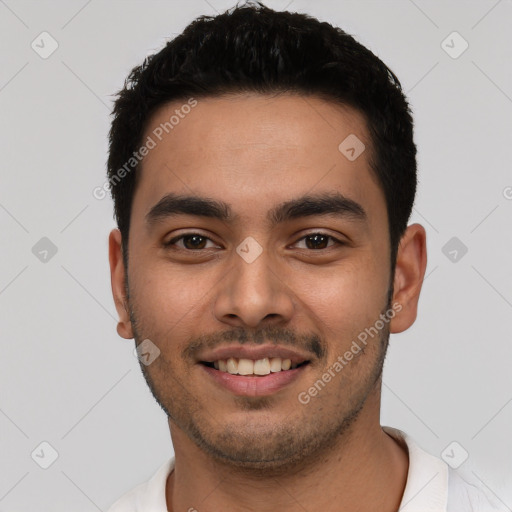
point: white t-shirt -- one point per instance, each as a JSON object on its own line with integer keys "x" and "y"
{"x": 432, "y": 486}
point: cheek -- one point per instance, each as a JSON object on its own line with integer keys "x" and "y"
{"x": 345, "y": 299}
{"x": 167, "y": 298}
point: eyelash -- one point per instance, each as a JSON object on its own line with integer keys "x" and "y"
{"x": 185, "y": 235}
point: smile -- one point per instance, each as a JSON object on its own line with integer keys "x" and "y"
{"x": 258, "y": 367}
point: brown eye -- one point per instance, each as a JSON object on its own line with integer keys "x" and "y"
{"x": 191, "y": 241}
{"x": 318, "y": 241}
{"x": 194, "y": 241}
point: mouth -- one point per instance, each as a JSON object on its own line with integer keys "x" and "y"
{"x": 254, "y": 367}
{"x": 253, "y": 371}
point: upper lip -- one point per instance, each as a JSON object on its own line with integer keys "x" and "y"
{"x": 253, "y": 352}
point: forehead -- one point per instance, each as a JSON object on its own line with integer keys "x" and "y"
{"x": 253, "y": 150}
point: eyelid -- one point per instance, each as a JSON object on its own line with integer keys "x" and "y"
{"x": 337, "y": 241}
{"x": 175, "y": 239}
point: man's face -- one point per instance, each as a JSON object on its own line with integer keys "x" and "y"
{"x": 305, "y": 297}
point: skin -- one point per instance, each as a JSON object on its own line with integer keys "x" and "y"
{"x": 248, "y": 453}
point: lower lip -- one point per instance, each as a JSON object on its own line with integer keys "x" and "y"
{"x": 264, "y": 385}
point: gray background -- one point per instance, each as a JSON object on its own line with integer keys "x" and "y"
{"x": 68, "y": 379}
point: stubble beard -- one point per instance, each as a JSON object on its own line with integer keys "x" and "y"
{"x": 282, "y": 450}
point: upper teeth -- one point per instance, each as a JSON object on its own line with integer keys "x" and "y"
{"x": 251, "y": 367}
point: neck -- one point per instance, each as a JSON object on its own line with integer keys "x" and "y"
{"x": 364, "y": 469}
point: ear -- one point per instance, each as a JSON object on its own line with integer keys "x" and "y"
{"x": 117, "y": 280}
{"x": 410, "y": 268}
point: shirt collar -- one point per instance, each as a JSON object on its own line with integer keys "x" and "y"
{"x": 153, "y": 499}
{"x": 426, "y": 489}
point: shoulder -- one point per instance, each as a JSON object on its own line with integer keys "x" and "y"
{"x": 148, "y": 496}
{"x": 466, "y": 494}
{"x": 128, "y": 502}
{"x": 433, "y": 485}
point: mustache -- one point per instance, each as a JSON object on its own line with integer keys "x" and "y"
{"x": 311, "y": 343}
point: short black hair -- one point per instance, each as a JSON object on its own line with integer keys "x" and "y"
{"x": 252, "y": 48}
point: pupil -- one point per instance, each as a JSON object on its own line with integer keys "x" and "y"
{"x": 197, "y": 241}
{"x": 315, "y": 239}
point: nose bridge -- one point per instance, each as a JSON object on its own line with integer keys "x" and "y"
{"x": 253, "y": 290}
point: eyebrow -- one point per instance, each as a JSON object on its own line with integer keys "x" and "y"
{"x": 307, "y": 205}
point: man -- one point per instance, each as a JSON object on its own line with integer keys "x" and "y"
{"x": 263, "y": 171}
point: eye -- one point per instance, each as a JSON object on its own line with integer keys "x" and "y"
{"x": 189, "y": 241}
{"x": 196, "y": 241}
{"x": 317, "y": 241}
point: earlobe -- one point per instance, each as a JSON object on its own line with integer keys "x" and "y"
{"x": 117, "y": 280}
{"x": 411, "y": 263}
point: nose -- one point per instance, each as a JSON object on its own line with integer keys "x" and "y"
{"x": 254, "y": 293}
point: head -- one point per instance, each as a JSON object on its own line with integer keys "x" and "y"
{"x": 243, "y": 220}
